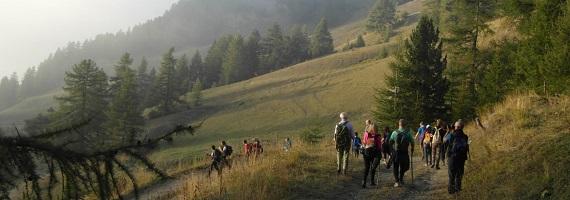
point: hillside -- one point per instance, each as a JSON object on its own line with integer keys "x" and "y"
{"x": 286, "y": 102}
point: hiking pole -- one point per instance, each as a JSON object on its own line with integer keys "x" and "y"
{"x": 412, "y": 166}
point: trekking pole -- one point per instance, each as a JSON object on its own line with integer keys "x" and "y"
{"x": 412, "y": 166}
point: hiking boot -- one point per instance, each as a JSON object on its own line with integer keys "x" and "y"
{"x": 432, "y": 166}
{"x": 396, "y": 184}
{"x": 338, "y": 171}
{"x": 437, "y": 167}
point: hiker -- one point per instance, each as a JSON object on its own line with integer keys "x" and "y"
{"x": 287, "y": 145}
{"x": 227, "y": 151}
{"x": 247, "y": 148}
{"x": 372, "y": 152}
{"x": 357, "y": 143}
{"x": 457, "y": 153}
{"x": 343, "y": 135}
{"x": 257, "y": 149}
{"x": 437, "y": 143}
{"x": 420, "y": 136}
{"x": 386, "y": 149}
{"x": 426, "y": 145}
{"x": 401, "y": 139}
{"x": 216, "y": 157}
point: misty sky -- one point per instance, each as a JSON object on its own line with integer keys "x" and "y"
{"x": 32, "y": 29}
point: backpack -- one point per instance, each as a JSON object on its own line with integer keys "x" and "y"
{"x": 342, "y": 136}
{"x": 401, "y": 144}
{"x": 459, "y": 146}
{"x": 228, "y": 151}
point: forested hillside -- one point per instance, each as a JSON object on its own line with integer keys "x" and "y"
{"x": 188, "y": 26}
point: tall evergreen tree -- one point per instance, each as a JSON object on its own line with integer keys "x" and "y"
{"x": 321, "y": 40}
{"x": 144, "y": 82}
{"x": 123, "y": 66}
{"x": 417, "y": 87}
{"x": 4, "y": 92}
{"x": 272, "y": 46}
{"x": 213, "y": 61}
{"x": 297, "y": 45}
{"x": 182, "y": 75}
{"x": 166, "y": 82}
{"x": 382, "y": 15}
{"x": 233, "y": 67}
{"x": 124, "y": 115}
{"x": 85, "y": 94}
{"x": 196, "y": 95}
{"x": 196, "y": 66}
{"x": 152, "y": 98}
{"x": 28, "y": 87}
{"x": 252, "y": 50}
{"x": 359, "y": 42}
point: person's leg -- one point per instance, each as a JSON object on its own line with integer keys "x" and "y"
{"x": 338, "y": 160}
{"x": 451, "y": 179}
{"x": 428, "y": 146}
{"x": 404, "y": 165}
{"x": 345, "y": 155}
{"x": 375, "y": 162}
{"x": 367, "y": 161}
{"x": 396, "y": 166}
{"x": 459, "y": 175}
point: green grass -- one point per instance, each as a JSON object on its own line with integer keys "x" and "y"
{"x": 27, "y": 108}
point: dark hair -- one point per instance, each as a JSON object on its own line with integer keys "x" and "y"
{"x": 244, "y": 141}
{"x": 213, "y": 147}
{"x": 224, "y": 142}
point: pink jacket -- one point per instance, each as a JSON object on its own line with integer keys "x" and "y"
{"x": 376, "y": 139}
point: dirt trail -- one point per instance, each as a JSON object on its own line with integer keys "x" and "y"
{"x": 428, "y": 183}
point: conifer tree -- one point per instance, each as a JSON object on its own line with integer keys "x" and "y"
{"x": 381, "y": 16}
{"x": 196, "y": 95}
{"x": 272, "y": 46}
{"x": 297, "y": 45}
{"x": 166, "y": 82}
{"x": 4, "y": 92}
{"x": 28, "y": 87}
{"x": 85, "y": 96}
{"x": 121, "y": 67}
{"x": 321, "y": 40}
{"x": 416, "y": 89}
{"x": 124, "y": 115}
{"x": 214, "y": 59}
{"x": 233, "y": 67}
{"x": 359, "y": 42}
{"x": 252, "y": 50}
{"x": 152, "y": 98}
{"x": 196, "y": 66}
{"x": 182, "y": 75}
{"x": 144, "y": 83}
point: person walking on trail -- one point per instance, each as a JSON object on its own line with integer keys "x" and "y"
{"x": 420, "y": 137}
{"x": 217, "y": 156}
{"x": 287, "y": 145}
{"x": 457, "y": 153}
{"x": 426, "y": 145}
{"x": 356, "y": 145}
{"x": 386, "y": 148}
{"x": 343, "y": 136}
{"x": 247, "y": 149}
{"x": 437, "y": 143}
{"x": 372, "y": 144}
{"x": 401, "y": 140}
{"x": 257, "y": 148}
{"x": 227, "y": 151}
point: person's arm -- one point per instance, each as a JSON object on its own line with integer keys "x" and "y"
{"x": 351, "y": 129}
{"x": 334, "y": 135}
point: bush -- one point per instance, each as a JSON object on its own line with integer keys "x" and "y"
{"x": 312, "y": 135}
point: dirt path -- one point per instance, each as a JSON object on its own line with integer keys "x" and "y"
{"x": 428, "y": 183}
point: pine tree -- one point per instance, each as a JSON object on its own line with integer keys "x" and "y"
{"x": 9, "y": 88}
{"x": 252, "y": 50}
{"x": 272, "y": 46}
{"x": 152, "y": 98}
{"x": 196, "y": 95}
{"x": 144, "y": 83}
{"x": 4, "y": 92}
{"x": 321, "y": 40}
{"x": 166, "y": 82}
{"x": 381, "y": 16}
{"x": 233, "y": 67}
{"x": 359, "y": 42}
{"x": 196, "y": 66}
{"x": 85, "y": 94}
{"x": 214, "y": 59}
{"x": 182, "y": 75}
{"x": 297, "y": 45}
{"x": 28, "y": 87}
{"x": 121, "y": 67}
{"x": 417, "y": 88}
{"x": 124, "y": 114}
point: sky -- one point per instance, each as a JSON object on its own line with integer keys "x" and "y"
{"x": 32, "y": 29}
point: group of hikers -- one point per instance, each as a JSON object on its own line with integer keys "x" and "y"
{"x": 394, "y": 148}
{"x": 222, "y": 156}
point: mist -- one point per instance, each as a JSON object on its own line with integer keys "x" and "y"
{"x": 32, "y": 29}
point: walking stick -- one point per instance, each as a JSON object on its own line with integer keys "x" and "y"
{"x": 412, "y": 166}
